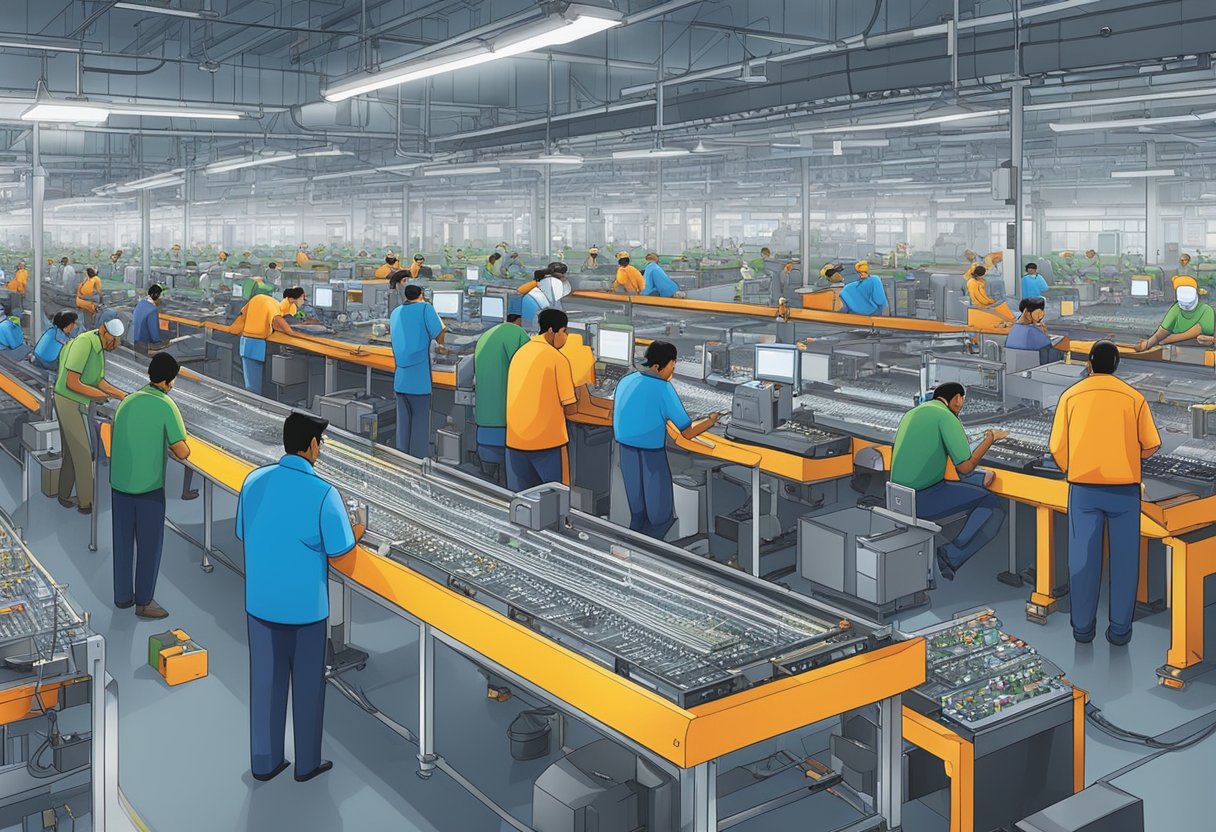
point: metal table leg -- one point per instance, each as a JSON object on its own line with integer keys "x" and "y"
{"x": 208, "y": 498}
{"x": 1012, "y": 576}
{"x": 342, "y": 655}
{"x": 367, "y": 387}
{"x": 699, "y": 798}
{"x": 26, "y": 463}
{"x": 331, "y": 375}
{"x": 890, "y": 761}
{"x": 96, "y": 502}
{"x": 426, "y": 701}
{"x": 756, "y": 496}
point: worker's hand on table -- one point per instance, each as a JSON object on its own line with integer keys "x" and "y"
{"x": 713, "y": 418}
{"x": 1141, "y": 346}
{"x": 989, "y": 476}
{"x": 1205, "y": 340}
{"x": 997, "y": 435}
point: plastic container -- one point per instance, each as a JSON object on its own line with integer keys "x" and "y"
{"x": 529, "y": 735}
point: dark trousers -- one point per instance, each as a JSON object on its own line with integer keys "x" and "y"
{"x": 647, "y": 477}
{"x": 139, "y": 521}
{"x": 528, "y": 469}
{"x": 413, "y": 424}
{"x": 283, "y": 656}
{"x": 1092, "y": 508}
{"x": 987, "y": 514}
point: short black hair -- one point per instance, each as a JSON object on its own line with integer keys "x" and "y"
{"x": 295, "y": 292}
{"x": 493, "y": 258}
{"x": 1104, "y": 357}
{"x": 1032, "y": 303}
{"x": 390, "y": 259}
{"x": 947, "y": 390}
{"x": 299, "y": 429}
{"x": 163, "y": 367}
{"x": 1034, "y": 266}
{"x": 64, "y": 318}
{"x": 513, "y": 317}
{"x": 660, "y": 353}
{"x": 413, "y": 292}
{"x": 154, "y": 291}
{"x": 273, "y": 265}
{"x": 552, "y": 320}
{"x": 979, "y": 271}
{"x": 91, "y": 272}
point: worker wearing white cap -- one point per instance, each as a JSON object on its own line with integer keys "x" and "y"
{"x": 1187, "y": 320}
{"x": 82, "y": 381}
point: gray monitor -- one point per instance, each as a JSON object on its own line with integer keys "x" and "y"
{"x": 449, "y": 304}
{"x": 614, "y": 344}
{"x": 777, "y": 363}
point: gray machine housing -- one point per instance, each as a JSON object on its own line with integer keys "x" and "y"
{"x": 602, "y": 787}
{"x": 1099, "y": 808}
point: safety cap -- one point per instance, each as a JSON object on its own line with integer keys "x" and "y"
{"x": 115, "y": 327}
{"x": 621, "y": 254}
{"x": 862, "y": 265}
{"x": 1185, "y": 280}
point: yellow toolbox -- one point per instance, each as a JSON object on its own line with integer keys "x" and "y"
{"x": 177, "y": 657}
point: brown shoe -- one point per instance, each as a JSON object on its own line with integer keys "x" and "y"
{"x": 67, "y": 502}
{"x": 85, "y": 509}
{"x": 151, "y": 610}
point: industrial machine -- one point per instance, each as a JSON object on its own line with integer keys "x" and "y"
{"x": 604, "y": 787}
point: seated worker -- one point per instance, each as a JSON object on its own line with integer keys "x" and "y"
{"x": 54, "y": 337}
{"x": 656, "y": 281}
{"x": 491, "y": 361}
{"x": 21, "y": 276}
{"x": 864, "y": 296}
{"x": 544, "y": 291}
{"x": 1028, "y": 332}
{"x": 645, "y": 402}
{"x": 928, "y": 436}
{"x": 417, "y": 266}
{"x": 593, "y": 259}
{"x": 628, "y": 278}
{"x": 516, "y": 267}
{"x": 758, "y": 264}
{"x": 829, "y": 275}
{"x": 273, "y": 276}
{"x": 145, "y": 321}
{"x": 11, "y": 335}
{"x": 1187, "y": 320}
{"x": 977, "y": 292}
{"x": 302, "y": 256}
{"x": 494, "y": 266}
{"x": 1033, "y": 284}
{"x": 386, "y": 268}
{"x": 88, "y": 296}
{"x": 261, "y": 316}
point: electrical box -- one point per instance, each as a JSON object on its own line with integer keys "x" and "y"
{"x": 41, "y": 436}
{"x": 541, "y": 507}
{"x": 288, "y": 369}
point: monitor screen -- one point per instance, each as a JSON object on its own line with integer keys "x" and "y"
{"x": 448, "y": 304}
{"x": 493, "y": 308}
{"x": 472, "y": 273}
{"x": 323, "y": 297}
{"x": 615, "y": 346}
{"x": 777, "y": 363}
{"x": 237, "y": 290}
{"x": 816, "y": 366}
{"x": 1139, "y": 288}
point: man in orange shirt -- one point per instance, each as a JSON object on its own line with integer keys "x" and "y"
{"x": 628, "y": 278}
{"x": 977, "y": 291}
{"x": 20, "y": 279}
{"x": 1103, "y": 428}
{"x": 88, "y": 297}
{"x": 261, "y": 316}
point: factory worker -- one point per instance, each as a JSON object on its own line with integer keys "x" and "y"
{"x": 67, "y": 275}
{"x": 829, "y": 275}
{"x": 21, "y": 277}
{"x": 274, "y": 275}
{"x": 175, "y": 254}
{"x": 977, "y": 292}
{"x": 491, "y": 362}
{"x": 1184, "y": 265}
{"x": 645, "y": 401}
{"x": 255, "y": 285}
{"x": 928, "y": 435}
{"x": 656, "y": 281}
{"x": 302, "y": 256}
{"x": 501, "y": 250}
{"x": 1028, "y": 331}
{"x": 593, "y": 259}
{"x": 292, "y": 304}
{"x": 82, "y": 381}
{"x": 1033, "y": 284}
{"x": 545, "y": 291}
{"x": 758, "y": 264}
{"x": 1103, "y": 429}
{"x": 50, "y": 344}
{"x": 416, "y": 266}
{"x": 386, "y": 268}
{"x": 261, "y": 316}
{"x": 1188, "y": 319}
{"x": 972, "y": 261}
{"x": 115, "y": 269}
{"x": 745, "y": 274}
{"x": 287, "y": 596}
{"x": 494, "y": 266}
{"x": 11, "y": 336}
{"x": 88, "y": 296}
{"x": 515, "y": 266}
{"x": 1093, "y": 260}
{"x": 628, "y": 278}
{"x": 413, "y": 326}
{"x": 147, "y": 427}
{"x": 864, "y": 296}
{"x": 145, "y": 321}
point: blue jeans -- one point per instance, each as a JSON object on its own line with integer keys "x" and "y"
{"x": 283, "y": 656}
{"x": 528, "y": 469}
{"x": 413, "y": 424}
{"x": 1090, "y": 509}
{"x": 254, "y": 370}
{"x": 985, "y": 518}
{"x": 138, "y": 520}
{"x": 648, "y": 488}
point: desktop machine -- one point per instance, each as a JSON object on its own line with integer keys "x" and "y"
{"x": 763, "y": 404}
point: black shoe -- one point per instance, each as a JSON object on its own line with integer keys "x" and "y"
{"x": 325, "y": 766}
{"x": 943, "y": 565}
{"x": 192, "y": 494}
{"x": 279, "y": 769}
{"x": 1118, "y": 641}
{"x": 1081, "y": 638}
{"x": 125, "y": 605}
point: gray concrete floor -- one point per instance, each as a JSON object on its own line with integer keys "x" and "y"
{"x": 184, "y": 750}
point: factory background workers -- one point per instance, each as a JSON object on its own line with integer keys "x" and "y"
{"x": 977, "y": 293}
{"x": 54, "y": 337}
{"x": 273, "y": 275}
{"x": 829, "y": 275}
{"x": 491, "y": 363}
{"x": 593, "y": 259}
{"x": 145, "y": 320}
{"x": 1184, "y": 265}
{"x": 628, "y": 278}
{"x": 1028, "y": 332}
{"x": 1033, "y": 284}
{"x": 412, "y": 327}
{"x": 864, "y": 296}
{"x": 645, "y": 401}
{"x": 67, "y": 275}
{"x": 416, "y": 265}
{"x": 82, "y": 381}
{"x": 1102, "y": 430}
{"x": 11, "y": 335}
{"x": 929, "y": 435}
{"x": 545, "y": 290}
{"x": 515, "y": 266}
{"x": 302, "y": 256}
{"x": 261, "y": 316}
{"x": 1187, "y": 320}
{"x": 287, "y": 596}
{"x": 88, "y": 296}
{"x": 758, "y": 265}
{"x": 494, "y": 265}
{"x": 147, "y": 426}
{"x": 21, "y": 277}
{"x": 656, "y": 281}
{"x": 386, "y": 268}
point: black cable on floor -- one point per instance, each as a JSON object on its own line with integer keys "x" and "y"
{"x": 1094, "y": 715}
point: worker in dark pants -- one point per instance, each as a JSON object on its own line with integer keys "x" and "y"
{"x": 1103, "y": 428}
{"x": 413, "y": 326}
{"x": 287, "y": 596}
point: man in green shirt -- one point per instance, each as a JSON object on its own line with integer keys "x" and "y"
{"x": 82, "y": 381}
{"x": 491, "y": 359}
{"x": 1187, "y": 320}
{"x": 928, "y": 435}
{"x": 146, "y": 425}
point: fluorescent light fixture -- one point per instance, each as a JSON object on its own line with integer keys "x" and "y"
{"x": 949, "y": 199}
{"x": 462, "y": 170}
{"x": 165, "y": 112}
{"x": 325, "y": 151}
{"x": 946, "y": 118}
{"x": 894, "y": 180}
{"x": 1142, "y": 174}
{"x": 226, "y": 165}
{"x": 651, "y": 153}
{"x": 66, "y": 113}
{"x": 165, "y": 10}
{"x": 574, "y": 23}
{"x": 1115, "y": 124}
{"x": 566, "y": 159}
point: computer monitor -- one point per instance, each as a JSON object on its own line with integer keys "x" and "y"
{"x": 493, "y": 309}
{"x": 777, "y": 363}
{"x": 816, "y": 366}
{"x": 449, "y": 304}
{"x": 614, "y": 344}
{"x": 238, "y": 291}
{"x": 1140, "y": 287}
{"x": 472, "y": 274}
{"x": 323, "y": 297}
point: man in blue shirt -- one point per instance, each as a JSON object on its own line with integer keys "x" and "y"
{"x": 1033, "y": 284}
{"x": 644, "y": 403}
{"x": 291, "y": 522}
{"x": 145, "y": 321}
{"x": 657, "y": 280}
{"x": 413, "y": 325}
{"x": 864, "y": 296}
{"x": 1028, "y": 332}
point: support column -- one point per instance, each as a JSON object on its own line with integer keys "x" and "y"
{"x": 36, "y": 208}
{"x": 187, "y": 197}
{"x": 1152, "y": 216}
{"x": 547, "y": 226}
{"x": 405, "y": 220}
{"x": 658, "y": 233}
{"x": 145, "y": 234}
{"x": 890, "y": 761}
{"x": 706, "y": 219}
{"x": 1013, "y": 272}
{"x": 806, "y": 220}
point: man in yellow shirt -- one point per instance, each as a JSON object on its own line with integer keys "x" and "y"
{"x": 21, "y": 276}
{"x": 1103, "y": 428}
{"x": 302, "y": 257}
{"x": 977, "y": 291}
{"x": 386, "y": 268}
{"x": 88, "y": 296}
{"x": 261, "y": 316}
{"x": 628, "y": 278}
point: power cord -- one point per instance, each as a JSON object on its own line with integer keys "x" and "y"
{"x": 1094, "y": 714}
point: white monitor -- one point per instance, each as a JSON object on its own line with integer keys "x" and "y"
{"x": 472, "y": 273}
{"x": 238, "y": 291}
{"x": 1139, "y": 288}
{"x": 493, "y": 308}
{"x": 777, "y": 363}
{"x": 614, "y": 345}
{"x": 323, "y": 297}
{"x": 816, "y": 366}
{"x": 448, "y": 304}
